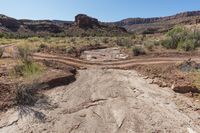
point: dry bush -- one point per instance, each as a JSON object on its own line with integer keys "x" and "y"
{"x": 138, "y": 51}
{"x": 26, "y": 95}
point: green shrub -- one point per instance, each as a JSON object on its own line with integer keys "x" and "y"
{"x": 195, "y": 36}
{"x": 187, "y": 45}
{"x": 27, "y": 69}
{"x": 182, "y": 39}
{"x": 138, "y": 51}
{"x": 170, "y": 43}
{"x": 176, "y": 31}
{"x": 174, "y": 36}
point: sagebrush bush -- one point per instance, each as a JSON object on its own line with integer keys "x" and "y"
{"x": 170, "y": 43}
{"x": 180, "y": 38}
{"x": 176, "y": 31}
{"x": 187, "y": 45}
{"x": 124, "y": 42}
{"x": 138, "y": 51}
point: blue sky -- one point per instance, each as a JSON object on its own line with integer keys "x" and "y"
{"x": 104, "y": 10}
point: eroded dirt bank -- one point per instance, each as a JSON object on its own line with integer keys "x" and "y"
{"x": 110, "y": 101}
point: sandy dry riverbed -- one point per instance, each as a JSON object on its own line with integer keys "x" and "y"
{"x": 106, "y": 101}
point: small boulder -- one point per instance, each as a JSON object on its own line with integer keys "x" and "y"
{"x": 185, "y": 89}
{"x": 189, "y": 65}
{"x": 10, "y": 52}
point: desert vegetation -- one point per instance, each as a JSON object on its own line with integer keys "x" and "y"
{"x": 182, "y": 38}
{"x": 27, "y": 67}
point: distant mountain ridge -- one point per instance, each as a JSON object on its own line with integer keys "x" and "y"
{"x": 159, "y": 23}
{"x": 130, "y": 21}
{"x": 88, "y": 26}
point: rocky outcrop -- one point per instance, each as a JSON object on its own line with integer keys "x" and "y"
{"x": 9, "y": 23}
{"x": 83, "y": 26}
{"x": 84, "y": 21}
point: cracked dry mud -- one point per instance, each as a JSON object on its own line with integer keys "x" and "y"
{"x": 109, "y": 101}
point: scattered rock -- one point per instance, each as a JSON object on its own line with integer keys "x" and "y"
{"x": 164, "y": 84}
{"x": 185, "y": 89}
{"x": 189, "y": 65}
{"x": 146, "y": 77}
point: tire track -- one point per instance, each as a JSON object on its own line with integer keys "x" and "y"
{"x": 112, "y": 64}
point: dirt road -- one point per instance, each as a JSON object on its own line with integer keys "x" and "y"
{"x": 111, "y": 64}
{"x": 107, "y": 101}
